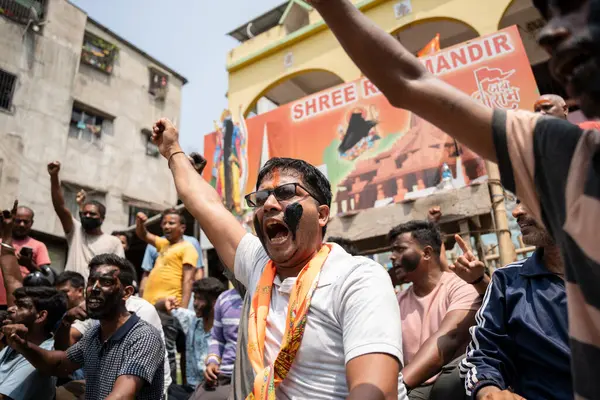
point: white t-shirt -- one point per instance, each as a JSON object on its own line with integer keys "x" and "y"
{"x": 146, "y": 312}
{"x": 353, "y": 312}
{"x": 84, "y": 247}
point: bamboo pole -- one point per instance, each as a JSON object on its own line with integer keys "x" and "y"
{"x": 505, "y": 244}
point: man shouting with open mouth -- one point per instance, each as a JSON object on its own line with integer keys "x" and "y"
{"x": 323, "y": 324}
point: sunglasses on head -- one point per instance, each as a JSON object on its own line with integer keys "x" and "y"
{"x": 281, "y": 193}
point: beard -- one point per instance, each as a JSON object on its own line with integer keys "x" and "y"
{"x": 108, "y": 308}
{"x": 586, "y": 88}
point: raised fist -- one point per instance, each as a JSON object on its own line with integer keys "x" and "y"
{"x": 166, "y": 137}
{"x": 54, "y": 168}
{"x": 434, "y": 214}
{"x": 80, "y": 198}
{"x": 16, "y": 336}
{"x": 141, "y": 218}
{"x": 7, "y": 220}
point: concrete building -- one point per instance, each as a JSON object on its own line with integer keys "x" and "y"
{"x": 73, "y": 91}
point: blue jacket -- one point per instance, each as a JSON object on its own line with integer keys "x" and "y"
{"x": 521, "y": 338}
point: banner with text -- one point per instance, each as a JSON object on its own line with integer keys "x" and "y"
{"x": 372, "y": 153}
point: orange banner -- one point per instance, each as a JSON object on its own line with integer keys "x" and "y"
{"x": 372, "y": 153}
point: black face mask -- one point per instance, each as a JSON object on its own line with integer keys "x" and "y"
{"x": 90, "y": 224}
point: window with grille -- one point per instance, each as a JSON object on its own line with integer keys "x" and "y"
{"x": 151, "y": 148}
{"x": 23, "y": 11}
{"x": 87, "y": 125}
{"x": 159, "y": 82}
{"x": 70, "y": 191}
{"x": 7, "y": 89}
{"x": 98, "y": 53}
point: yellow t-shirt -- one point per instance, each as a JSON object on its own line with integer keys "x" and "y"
{"x": 166, "y": 277}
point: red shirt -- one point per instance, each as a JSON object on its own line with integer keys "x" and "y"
{"x": 40, "y": 257}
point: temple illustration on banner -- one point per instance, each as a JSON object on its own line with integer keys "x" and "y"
{"x": 359, "y": 134}
{"x": 413, "y": 164}
{"x": 230, "y": 163}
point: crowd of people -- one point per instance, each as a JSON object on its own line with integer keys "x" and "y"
{"x": 307, "y": 318}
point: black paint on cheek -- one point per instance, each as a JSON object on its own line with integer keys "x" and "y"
{"x": 292, "y": 216}
{"x": 258, "y": 230}
{"x": 410, "y": 261}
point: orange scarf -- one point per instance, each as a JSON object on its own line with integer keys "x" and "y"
{"x": 268, "y": 378}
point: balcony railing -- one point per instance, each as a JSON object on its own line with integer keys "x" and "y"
{"x": 98, "y": 53}
{"x": 23, "y": 11}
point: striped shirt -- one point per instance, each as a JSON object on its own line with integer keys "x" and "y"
{"x": 554, "y": 168}
{"x": 224, "y": 333}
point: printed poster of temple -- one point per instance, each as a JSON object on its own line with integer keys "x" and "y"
{"x": 410, "y": 168}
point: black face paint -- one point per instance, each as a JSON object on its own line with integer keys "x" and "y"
{"x": 410, "y": 260}
{"x": 292, "y": 216}
{"x": 258, "y": 231}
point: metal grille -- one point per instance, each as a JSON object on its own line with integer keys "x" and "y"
{"x": 7, "y": 89}
{"x": 23, "y": 11}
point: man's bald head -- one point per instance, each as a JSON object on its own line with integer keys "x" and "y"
{"x": 551, "y": 104}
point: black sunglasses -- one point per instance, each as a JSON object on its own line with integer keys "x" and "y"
{"x": 284, "y": 192}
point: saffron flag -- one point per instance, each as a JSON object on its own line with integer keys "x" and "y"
{"x": 486, "y": 74}
{"x": 430, "y": 48}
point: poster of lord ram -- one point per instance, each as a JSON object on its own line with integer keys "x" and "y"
{"x": 372, "y": 153}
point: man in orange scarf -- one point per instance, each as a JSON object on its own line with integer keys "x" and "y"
{"x": 323, "y": 324}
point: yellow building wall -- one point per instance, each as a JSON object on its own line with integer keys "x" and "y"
{"x": 258, "y": 65}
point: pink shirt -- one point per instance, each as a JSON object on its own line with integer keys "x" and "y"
{"x": 40, "y": 257}
{"x": 422, "y": 316}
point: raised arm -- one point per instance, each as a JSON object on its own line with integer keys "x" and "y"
{"x": 58, "y": 201}
{"x": 404, "y": 80}
{"x": 187, "y": 282}
{"x": 198, "y": 196}
{"x": 140, "y": 229}
{"x": 8, "y": 259}
{"x": 53, "y": 363}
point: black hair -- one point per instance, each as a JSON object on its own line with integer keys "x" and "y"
{"x": 209, "y": 287}
{"x": 345, "y": 244}
{"x": 37, "y": 279}
{"x": 28, "y": 209}
{"x": 47, "y": 299}
{"x": 542, "y": 7}
{"x": 123, "y": 233}
{"x": 174, "y": 211}
{"x": 100, "y": 206}
{"x": 127, "y": 274}
{"x": 74, "y": 278}
{"x": 311, "y": 177}
{"x": 423, "y": 232}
